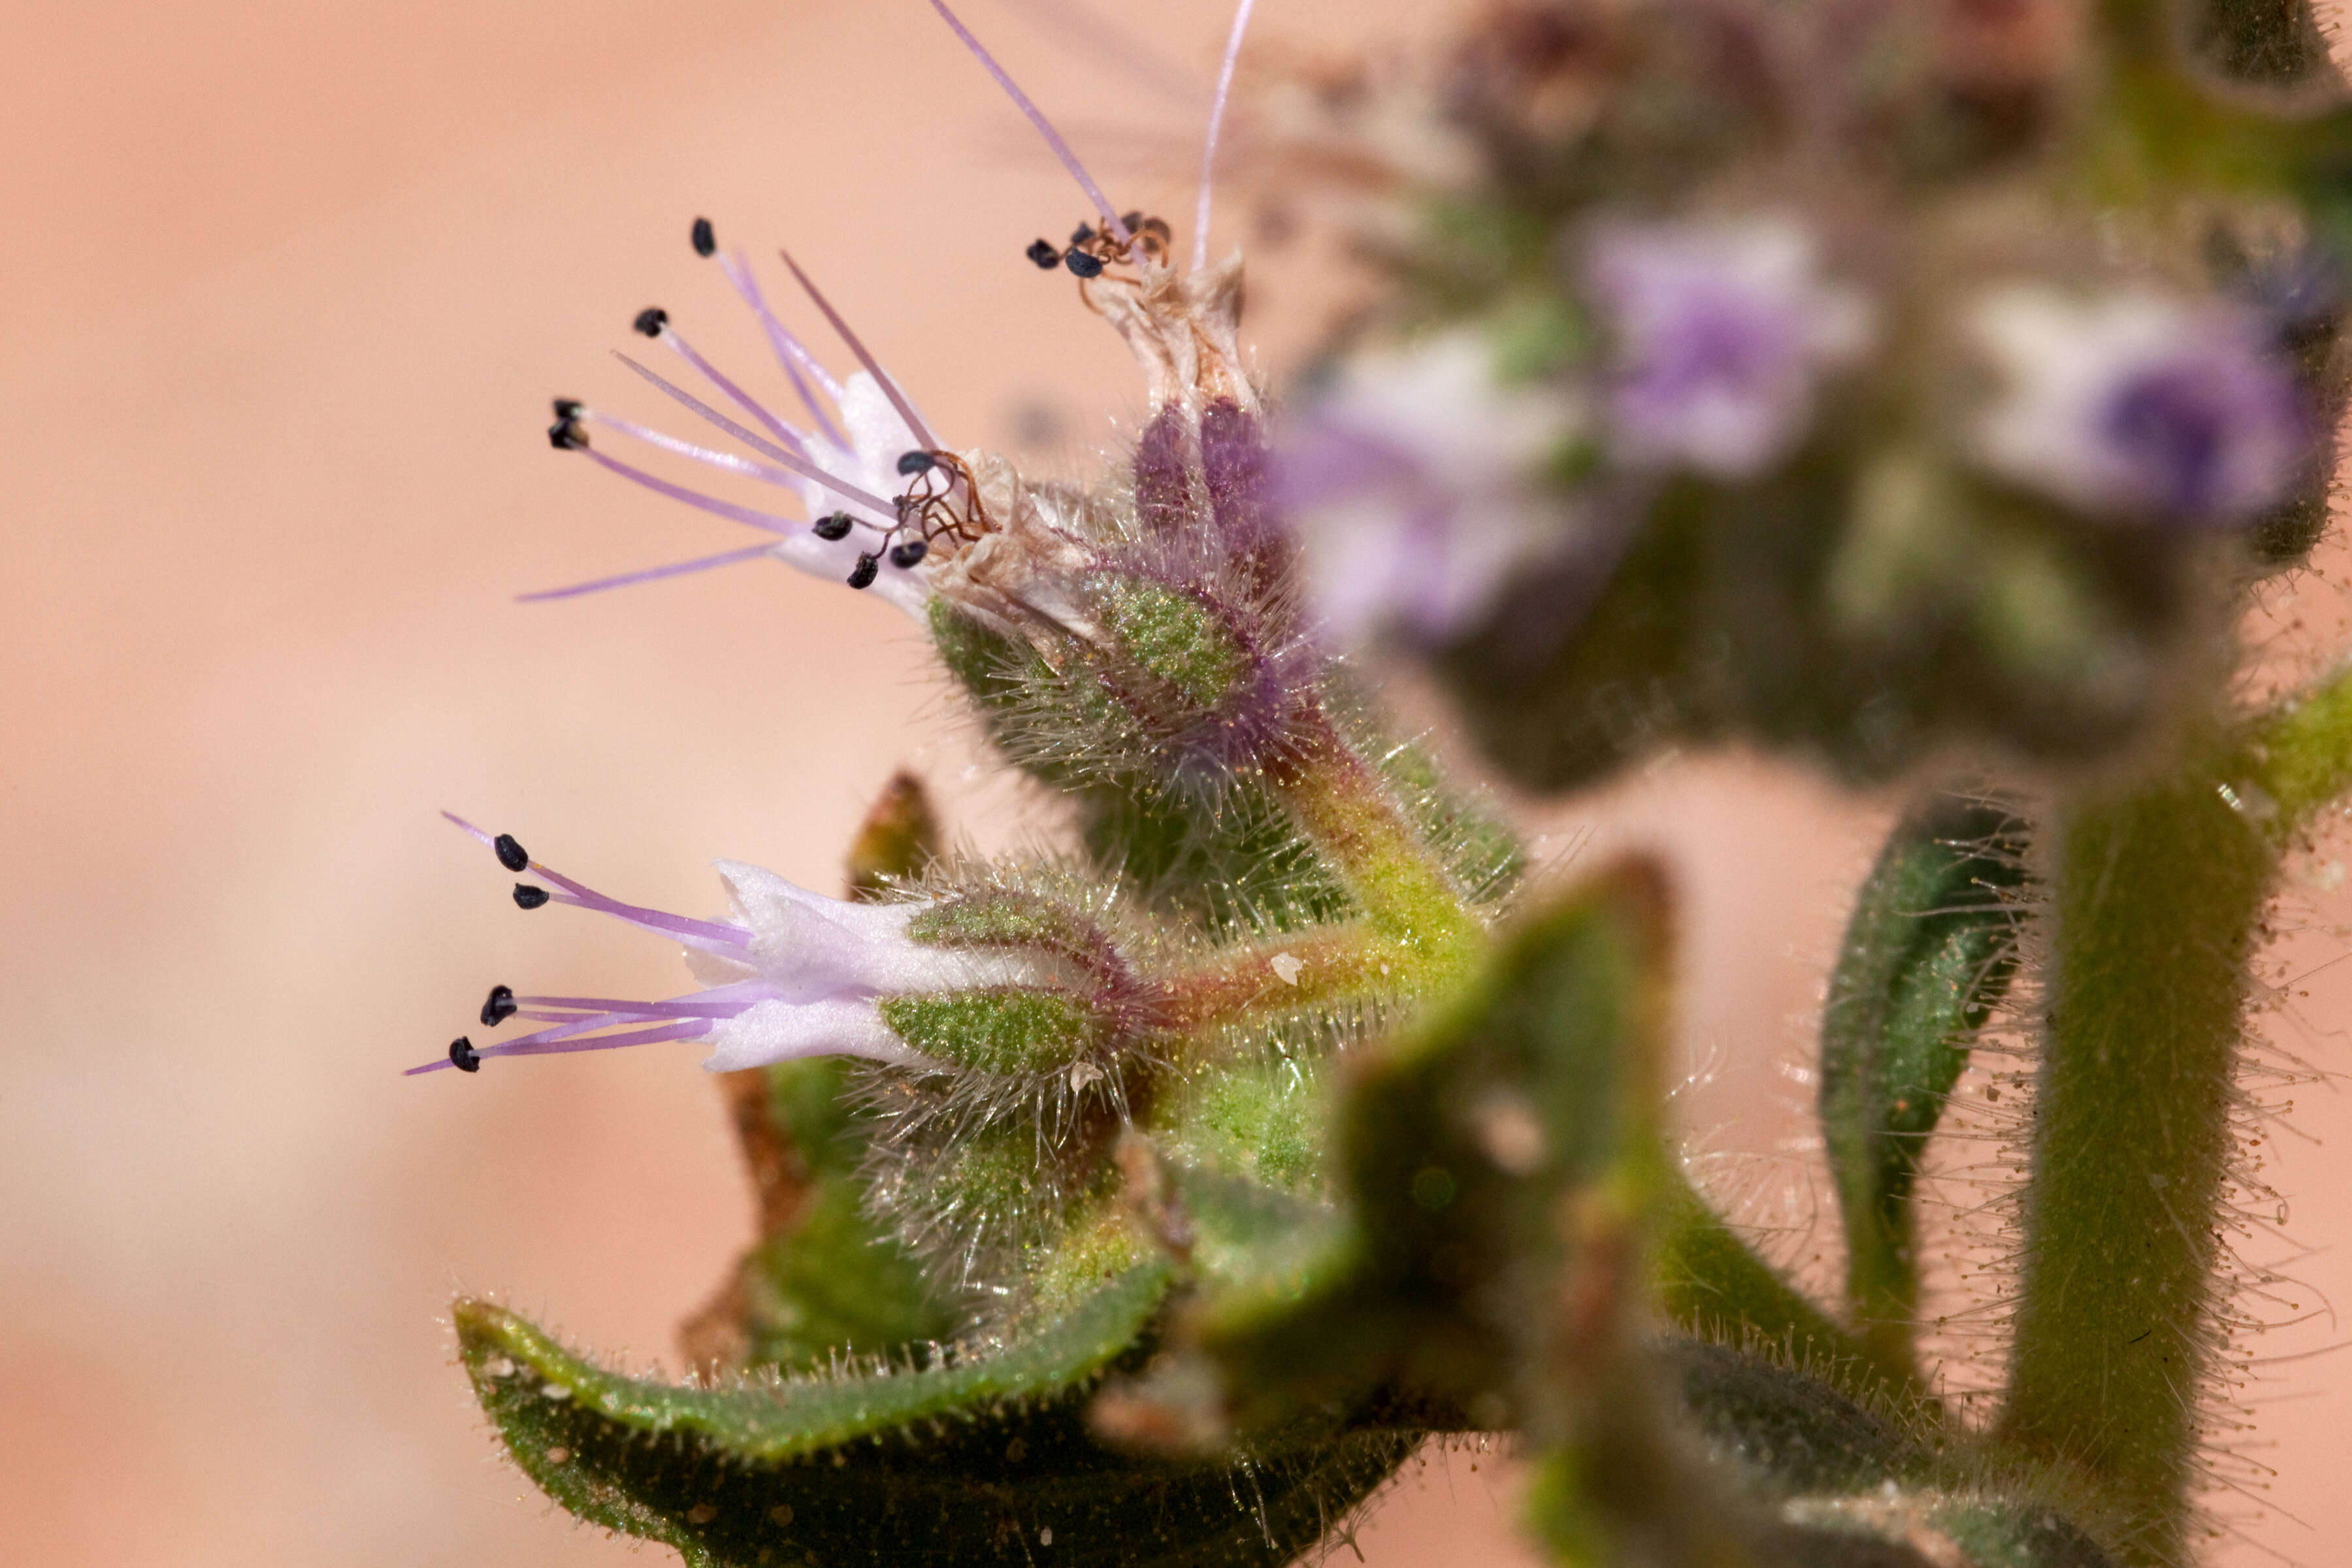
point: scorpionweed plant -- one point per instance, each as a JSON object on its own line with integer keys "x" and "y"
{"x": 1919, "y": 389}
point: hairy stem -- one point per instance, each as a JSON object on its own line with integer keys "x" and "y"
{"x": 1262, "y": 979}
{"x": 2155, "y": 900}
{"x": 1407, "y": 897}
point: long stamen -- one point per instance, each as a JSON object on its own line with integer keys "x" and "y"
{"x": 1111, "y": 220}
{"x": 767, "y": 521}
{"x": 799, "y": 365}
{"x": 881, "y": 377}
{"x": 708, "y": 934}
{"x": 533, "y": 1045}
{"x": 649, "y": 574}
{"x": 798, "y": 465}
{"x": 1216, "y": 124}
{"x": 670, "y": 337}
{"x": 712, "y": 1004}
{"x": 582, "y": 413}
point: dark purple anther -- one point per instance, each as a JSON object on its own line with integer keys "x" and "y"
{"x": 909, "y": 553}
{"x": 913, "y": 463}
{"x": 651, "y": 321}
{"x": 706, "y": 241}
{"x": 833, "y": 525}
{"x": 862, "y": 574}
{"x": 1083, "y": 264}
{"x": 1042, "y": 252}
{"x": 530, "y": 897}
{"x": 511, "y": 854}
{"x": 1163, "y": 480}
{"x": 462, "y": 1054}
{"x": 501, "y": 1006}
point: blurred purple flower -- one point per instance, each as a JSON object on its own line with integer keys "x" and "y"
{"x": 1411, "y": 487}
{"x": 2140, "y": 403}
{"x": 1720, "y": 329}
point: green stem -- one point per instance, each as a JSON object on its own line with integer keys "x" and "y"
{"x": 1340, "y": 803}
{"x": 2155, "y": 900}
{"x": 1248, "y": 982}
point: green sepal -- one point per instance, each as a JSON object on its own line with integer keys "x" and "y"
{"x": 1928, "y": 954}
{"x": 972, "y": 1462}
{"x": 1176, "y": 640}
{"x": 994, "y": 1029}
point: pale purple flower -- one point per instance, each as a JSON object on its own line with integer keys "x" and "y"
{"x": 1720, "y": 329}
{"x": 2139, "y": 403}
{"x": 1413, "y": 488}
{"x": 842, "y": 462}
{"x": 790, "y": 975}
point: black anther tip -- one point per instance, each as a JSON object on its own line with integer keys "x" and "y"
{"x": 570, "y": 408}
{"x": 1083, "y": 233}
{"x": 500, "y": 1007}
{"x": 462, "y": 1053}
{"x": 565, "y": 436}
{"x": 916, "y": 462}
{"x": 906, "y": 554}
{"x": 833, "y": 525}
{"x": 862, "y": 574}
{"x": 1133, "y": 221}
{"x": 1043, "y": 253}
{"x": 651, "y": 321}
{"x": 528, "y": 897}
{"x": 706, "y": 241}
{"x": 511, "y": 855}
{"x": 1085, "y": 266}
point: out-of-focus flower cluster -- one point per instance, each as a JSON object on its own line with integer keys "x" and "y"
{"x": 1862, "y": 379}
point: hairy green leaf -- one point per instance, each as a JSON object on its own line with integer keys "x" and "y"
{"x": 980, "y": 1459}
{"x": 1928, "y": 953}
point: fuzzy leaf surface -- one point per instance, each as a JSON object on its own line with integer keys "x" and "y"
{"x": 977, "y": 1461}
{"x": 1928, "y": 952}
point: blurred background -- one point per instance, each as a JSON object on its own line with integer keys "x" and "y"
{"x": 289, "y": 282}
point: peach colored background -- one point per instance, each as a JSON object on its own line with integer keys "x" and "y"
{"x": 286, "y": 287}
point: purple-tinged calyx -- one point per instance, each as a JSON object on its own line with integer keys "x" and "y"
{"x": 1413, "y": 486}
{"x": 2139, "y": 405}
{"x": 790, "y": 974}
{"x": 1720, "y": 331}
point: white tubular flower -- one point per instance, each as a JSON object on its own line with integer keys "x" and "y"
{"x": 791, "y": 974}
{"x": 1720, "y": 331}
{"x": 2140, "y": 405}
{"x": 1413, "y": 487}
